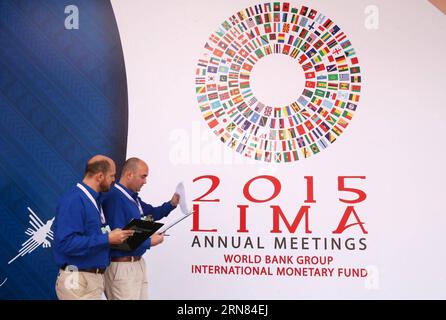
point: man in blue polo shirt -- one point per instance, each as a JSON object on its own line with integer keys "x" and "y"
{"x": 82, "y": 237}
{"x": 126, "y": 277}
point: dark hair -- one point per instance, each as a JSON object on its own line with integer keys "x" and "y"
{"x": 95, "y": 167}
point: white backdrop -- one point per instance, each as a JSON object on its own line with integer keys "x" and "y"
{"x": 394, "y": 140}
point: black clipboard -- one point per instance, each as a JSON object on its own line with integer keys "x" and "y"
{"x": 143, "y": 230}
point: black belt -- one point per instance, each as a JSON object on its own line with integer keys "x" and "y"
{"x": 90, "y": 270}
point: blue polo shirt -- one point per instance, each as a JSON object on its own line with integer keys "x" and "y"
{"x": 78, "y": 239}
{"x": 119, "y": 210}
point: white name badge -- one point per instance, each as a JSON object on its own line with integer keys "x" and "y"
{"x": 106, "y": 229}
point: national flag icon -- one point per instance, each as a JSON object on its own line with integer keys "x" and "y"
{"x": 350, "y": 52}
{"x": 347, "y": 115}
{"x": 300, "y": 130}
{"x": 212, "y": 124}
{"x": 324, "y": 51}
{"x": 336, "y": 112}
{"x": 330, "y": 120}
{"x": 281, "y": 38}
{"x": 307, "y": 93}
{"x": 343, "y": 95}
{"x": 259, "y": 154}
{"x": 314, "y": 148}
{"x": 212, "y": 69}
{"x": 216, "y": 104}
{"x": 356, "y": 88}
{"x": 235, "y": 92}
{"x": 224, "y": 96}
{"x": 255, "y": 116}
{"x": 340, "y": 59}
{"x": 323, "y": 112}
{"x": 309, "y": 125}
{"x": 310, "y": 84}
{"x": 201, "y": 89}
{"x": 331, "y": 68}
{"x": 305, "y": 152}
{"x": 213, "y": 96}
{"x": 343, "y": 68}
{"x": 336, "y": 130}
{"x": 309, "y": 75}
{"x": 310, "y": 53}
{"x": 319, "y": 44}
{"x": 319, "y": 67}
{"x": 324, "y": 127}
{"x": 332, "y": 86}
{"x": 342, "y": 123}
{"x": 351, "y": 106}
{"x": 204, "y": 108}
{"x": 237, "y": 99}
{"x": 340, "y": 104}
{"x": 286, "y": 49}
{"x": 244, "y": 85}
{"x": 321, "y": 84}
{"x": 263, "y": 121}
{"x": 353, "y": 97}
{"x": 211, "y": 87}
{"x": 267, "y": 28}
{"x": 320, "y": 93}
{"x": 300, "y": 142}
{"x": 327, "y": 104}
{"x": 330, "y": 137}
{"x": 200, "y": 80}
{"x": 218, "y": 53}
{"x": 355, "y": 79}
{"x": 223, "y": 69}
{"x": 247, "y": 67}
{"x": 344, "y": 86}
{"x": 307, "y": 66}
{"x": 355, "y": 70}
{"x": 316, "y": 59}
{"x": 240, "y": 148}
{"x": 246, "y": 125}
{"x": 202, "y": 98}
{"x": 230, "y": 52}
{"x": 322, "y": 143}
{"x": 325, "y": 36}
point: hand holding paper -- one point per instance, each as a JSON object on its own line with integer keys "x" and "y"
{"x": 183, "y": 206}
{"x": 182, "y": 193}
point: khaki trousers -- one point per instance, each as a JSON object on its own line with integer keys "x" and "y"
{"x": 74, "y": 285}
{"x": 126, "y": 281}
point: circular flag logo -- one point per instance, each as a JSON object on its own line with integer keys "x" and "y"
{"x": 278, "y": 133}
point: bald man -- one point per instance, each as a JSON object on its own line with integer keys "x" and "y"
{"x": 82, "y": 237}
{"x": 125, "y": 278}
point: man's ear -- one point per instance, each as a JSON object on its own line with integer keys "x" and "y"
{"x": 100, "y": 176}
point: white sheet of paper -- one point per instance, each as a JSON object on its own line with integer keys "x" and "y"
{"x": 171, "y": 224}
{"x": 182, "y": 193}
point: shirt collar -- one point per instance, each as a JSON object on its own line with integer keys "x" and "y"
{"x": 133, "y": 194}
{"x": 95, "y": 194}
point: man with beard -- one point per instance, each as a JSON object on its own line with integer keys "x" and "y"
{"x": 126, "y": 277}
{"x": 82, "y": 237}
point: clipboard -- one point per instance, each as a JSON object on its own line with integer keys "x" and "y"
{"x": 143, "y": 230}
